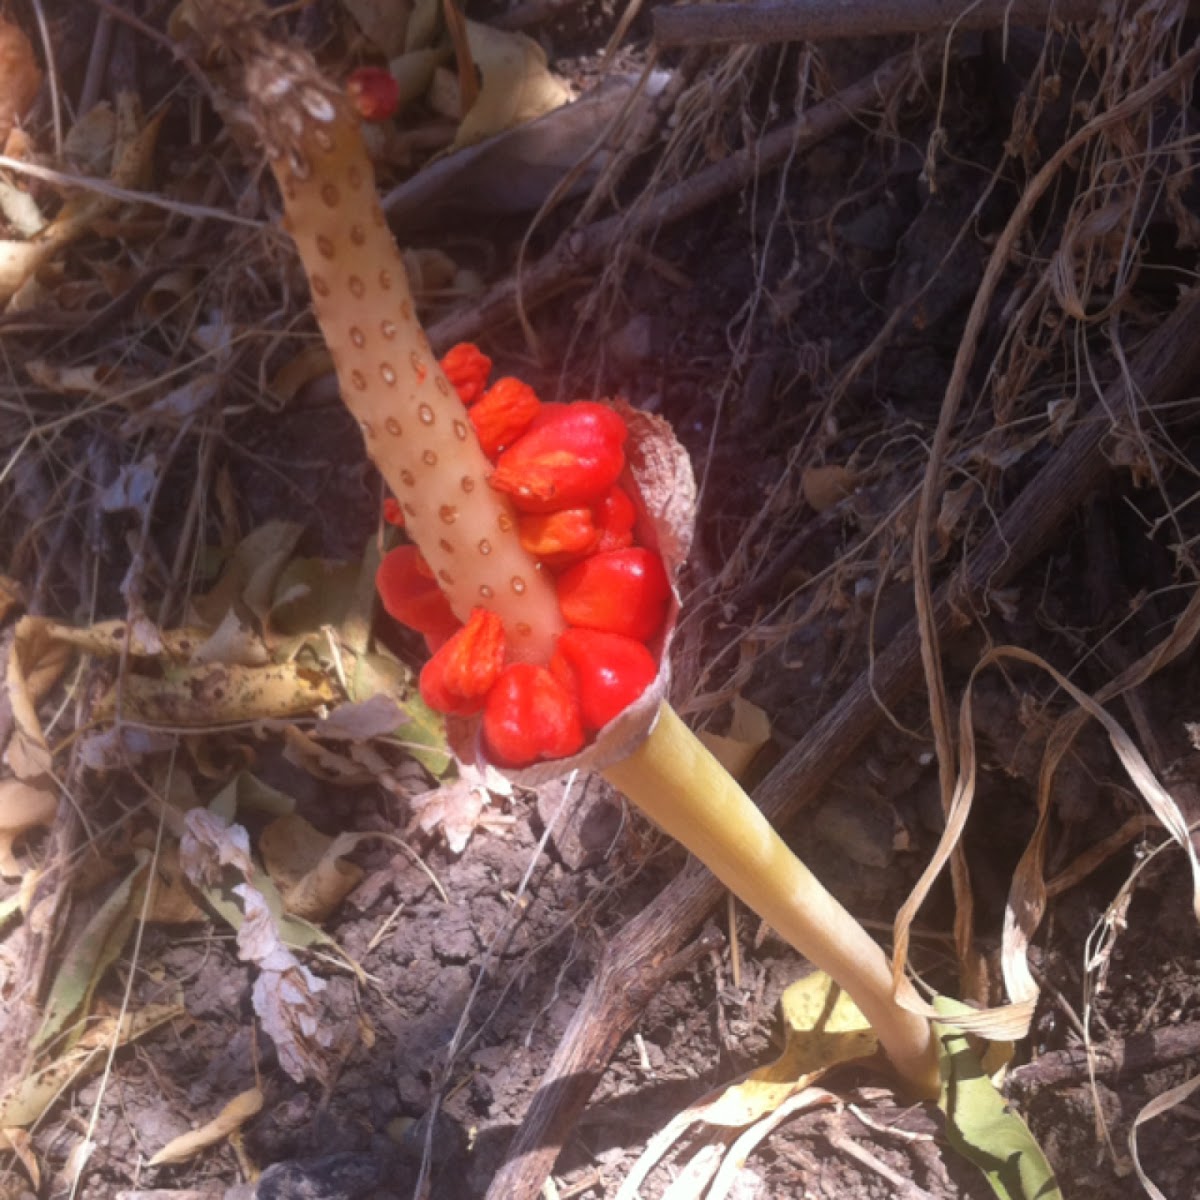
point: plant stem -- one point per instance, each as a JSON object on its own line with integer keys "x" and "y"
{"x": 676, "y": 782}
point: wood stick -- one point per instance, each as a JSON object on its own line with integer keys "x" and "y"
{"x": 767, "y": 21}
{"x": 633, "y": 965}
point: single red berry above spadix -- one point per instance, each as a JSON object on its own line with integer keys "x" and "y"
{"x": 617, "y": 591}
{"x": 467, "y": 368}
{"x": 569, "y": 458}
{"x": 374, "y": 92}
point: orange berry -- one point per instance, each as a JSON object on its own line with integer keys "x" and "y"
{"x": 459, "y": 676}
{"x": 503, "y": 413}
{"x": 607, "y": 672}
{"x": 467, "y": 368}
{"x": 618, "y": 591}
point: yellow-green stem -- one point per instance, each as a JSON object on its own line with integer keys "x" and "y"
{"x": 676, "y": 782}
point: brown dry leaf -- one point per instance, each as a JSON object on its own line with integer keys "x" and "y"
{"x": 12, "y": 597}
{"x": 23, "y": 806}
{"x": 517, "y": 85}
{"x": 823, "y": 487}
{"x": 20, "y": 1143}
{"x": 171, "y": 902}
{"x": 749, "y": 732}
{"x": 251, "y": 572}
{"x": 132, "y": 159}
{"x": 457, "y": 806}
{"x": 308, "y": 867}
{"x": 90, "y": 142}
{"x": 230, "y": 1119}
{"x": 20, "y": 77}
{"x": 284, "y": 994}
{"x": 35, "y": 664}
{"x": 233, "y": 644}
{"x": 301, "y": 369}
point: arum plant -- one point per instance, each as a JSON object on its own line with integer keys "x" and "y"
{"x": 544, "y": 542}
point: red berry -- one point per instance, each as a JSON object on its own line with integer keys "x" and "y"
{"x": 530, "y": 716}
{"x": 615, "y": 518}
{"x": 503, "y": 414}
{"x": 459, "y": 676}
{"x": 607, "y": 671}
{"x": 558, "y": 537}
{"x": 619, "y": 591}
{"x": 568, "y": 460}
{"x": 411, "y": 595}
{"x": 374, "y": 92}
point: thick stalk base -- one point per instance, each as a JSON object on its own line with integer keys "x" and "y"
{"x": 680, "y": 786}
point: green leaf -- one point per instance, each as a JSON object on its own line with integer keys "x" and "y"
{"x": 91, "y": 954}
{"x": 246, "y": 791}
{"x": 424, "y": 735}
{"x": 982, "y": 1126}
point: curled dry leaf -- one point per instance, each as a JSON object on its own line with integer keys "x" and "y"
{"x": 517, "y": 84}
{"x": 309, "y": 867}
{"x": 23, "y": 806}
{"x": 35, "y": 664}
{"x": 384, "y": 22}
{"x": 285, "y": 993}
{"x": 230, "y": 1119}
{"x": 20, "y": 77}
{"x": 749, "y": 732}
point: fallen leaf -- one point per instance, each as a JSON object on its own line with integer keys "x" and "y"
{"x": 233, "y": 644}
{"x": 134, "y": 487}
{"x": 984, "y": 1127}
{"x": 89, "y": 956}
{"x": 517, "y": 84}
{"x": 204, "y": 697}
{"x": 23, "y": 806}
{"x": 35, "y": 664}
{"x": 377, "y": 716}
{"x": 230, "y": 1119}
{"x": 308, "y": 867}
{"x": 749, "y": 732}
{"x": 251, "y": 573}
{"x": 823, "y": 1029}
{"x": 38, "y": 1089}
{"x": 822, "y": 487}
{"x": 284, "y": 994}
{"x": 20, "y": 77}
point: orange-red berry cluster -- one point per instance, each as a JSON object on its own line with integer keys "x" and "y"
{"x": 559, "y": 464}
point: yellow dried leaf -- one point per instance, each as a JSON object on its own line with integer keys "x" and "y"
{"x": 308, "y": 867}
{"x": 823, "y": 1029}
{"x": 824, "y": 486}
{"x": 749, "y": 732}
{"x": 30, "y": 1098}
{"x": 517, "y": 84}
{"x": 206, "y": 696}
{"x": 231, "y": 1118}
{"x": 23, "y": 806}
{"x": 35, "y": 664}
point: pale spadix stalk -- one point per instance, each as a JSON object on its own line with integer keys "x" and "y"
{"x": 416, "y": 429}
{"x": 419, "y": 435}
